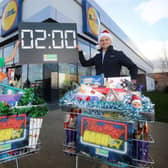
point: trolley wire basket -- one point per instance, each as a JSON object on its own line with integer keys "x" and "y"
{"x": 19, "y": 137}
{"x": 141, "y": 146}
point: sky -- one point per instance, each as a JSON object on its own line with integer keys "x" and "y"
{"x": 146, "y": 24}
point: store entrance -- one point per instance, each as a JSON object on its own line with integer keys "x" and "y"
{"x": 50, "y": 83}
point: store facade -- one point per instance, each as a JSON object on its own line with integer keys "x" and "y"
{"x": 56, "y": 77}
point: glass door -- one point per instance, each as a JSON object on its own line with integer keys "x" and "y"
{"x": 50, "y": 83}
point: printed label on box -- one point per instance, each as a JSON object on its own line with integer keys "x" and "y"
{"x": 102, "y": 152}
{"x": 5, "y": 147}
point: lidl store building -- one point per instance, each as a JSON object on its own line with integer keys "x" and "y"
{"x": 90, "y": 19}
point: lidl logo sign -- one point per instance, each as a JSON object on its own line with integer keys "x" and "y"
{"x": 91, "y": 20}
{"x": 11, "y": 16}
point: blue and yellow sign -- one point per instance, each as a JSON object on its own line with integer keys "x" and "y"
{"x": 11, "y": 16}
{"x": 91, "y": 20}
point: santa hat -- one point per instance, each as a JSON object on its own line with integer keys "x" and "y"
{"x": 135, "y": 99}
{"x": 104, "y": 33}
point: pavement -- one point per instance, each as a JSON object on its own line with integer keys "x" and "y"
{"x": 52, "y": 137}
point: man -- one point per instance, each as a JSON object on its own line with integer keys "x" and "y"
{"x": 109, "y": 61}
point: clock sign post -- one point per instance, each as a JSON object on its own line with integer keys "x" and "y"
{"x": 47, "y": 42}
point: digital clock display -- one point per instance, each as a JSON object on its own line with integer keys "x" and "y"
{"x": 47, "y": 42}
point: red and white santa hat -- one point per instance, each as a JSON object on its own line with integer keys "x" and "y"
{"x": 135, "y": 99}
{"x": 105, "y": 33}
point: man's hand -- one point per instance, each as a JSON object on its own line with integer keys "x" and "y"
{"x": 133, "y": 81}
{"x": 14, "y": 52}
{"x": 17, "y": 44}
{"x": 79, "y": 48}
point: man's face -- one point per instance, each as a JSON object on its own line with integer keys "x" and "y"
{"x": 105, "y": 42}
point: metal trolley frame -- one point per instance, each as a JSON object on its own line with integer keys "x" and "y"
{"x": 70, "y": 149}
{"x": 31, "y": 147}
{"x": 16, "y": 154}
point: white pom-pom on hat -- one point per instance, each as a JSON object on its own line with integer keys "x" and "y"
{"x": 105, "y": 33}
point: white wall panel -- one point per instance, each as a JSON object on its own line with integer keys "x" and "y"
{"x": 32, "y": 7}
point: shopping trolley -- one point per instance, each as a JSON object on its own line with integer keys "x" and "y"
{"x": 19, "y": 137}
{"x": 99, "y": 131}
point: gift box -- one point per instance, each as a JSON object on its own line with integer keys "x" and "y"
{"x": 97, "y": 80}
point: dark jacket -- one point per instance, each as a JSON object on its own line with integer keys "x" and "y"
{"x": 111, "y": 67}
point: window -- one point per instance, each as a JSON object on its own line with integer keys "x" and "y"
{"x": 64, "y": 68}
{"x": 67, "y": 68}
{"x": 35, "y": 72}
{"x": 73, "y": 69}
{"x": 85, "y": 48}
{"x": 48, "y": 68}
{"x": 8, "y": 50}
{"x": 1, "y": 52}
{"x": 82, "y": 71}
{"x": 89, "y": 51}
{"x": 67, "y": 74}
{"x": 24, "y": 73}
{"x": 93, "y": 51}
{"x": 16, "y": 59}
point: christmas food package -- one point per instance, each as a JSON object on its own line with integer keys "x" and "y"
{"x": 120, "y": 83}
{"x": 97, "y": 80}
{"x": 88, "y": 93}
{"x": 107, "y": 140}
{"x": 132, "y": 104}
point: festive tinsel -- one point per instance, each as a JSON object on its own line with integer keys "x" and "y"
{"x": 29, "y": 103}
{"x": 124, "y": 106}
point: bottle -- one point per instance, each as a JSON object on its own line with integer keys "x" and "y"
{"x": 146, "y": 131}
{"x": 139, "y": 131}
